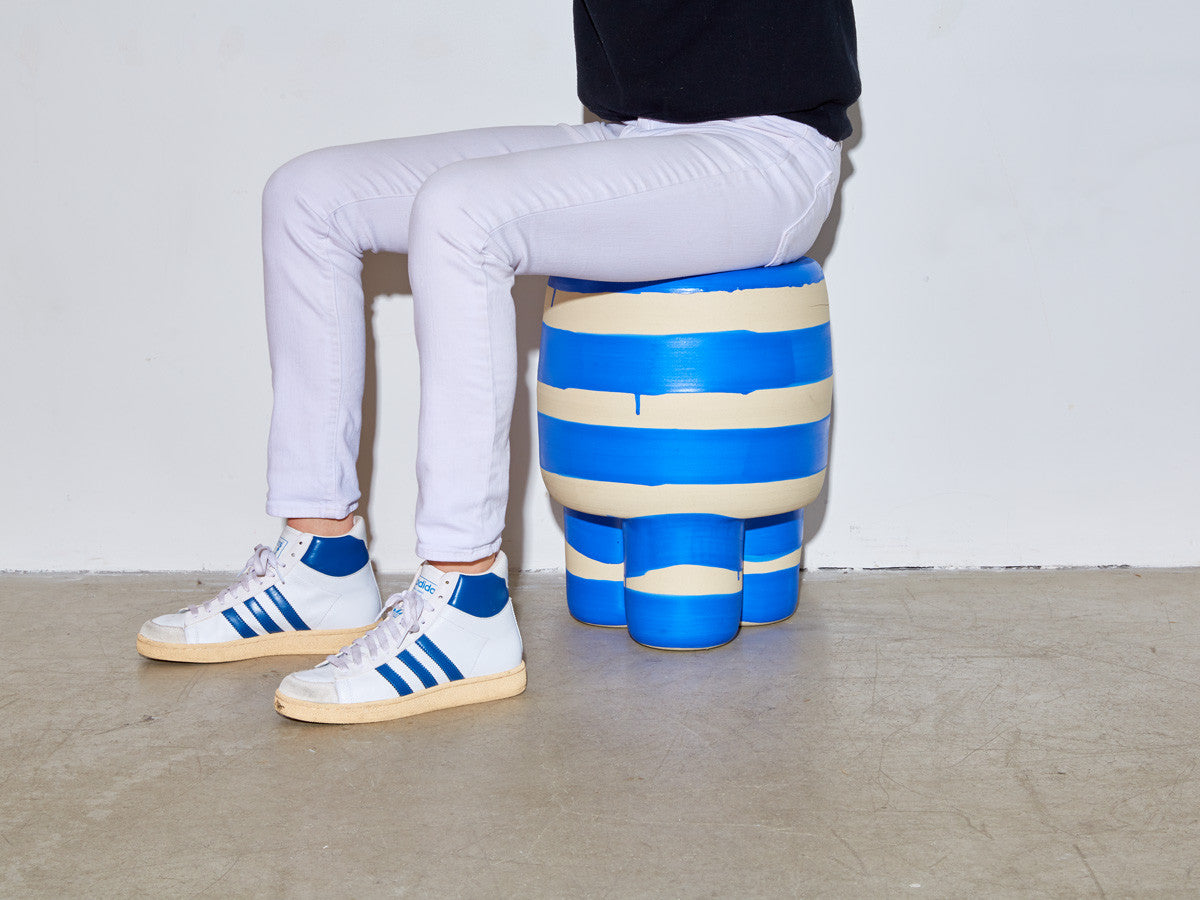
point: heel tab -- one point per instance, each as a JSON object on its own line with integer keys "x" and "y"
{"x": 336, "y": 556}
{"x": 481, "y": 596}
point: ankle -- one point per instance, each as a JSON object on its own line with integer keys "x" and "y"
{"x": 324, "y": 527}
{"x": 477, "y": 567}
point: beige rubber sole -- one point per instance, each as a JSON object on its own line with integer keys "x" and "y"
{"x": 454, "y": 693}
{"x": 288, "y": 643}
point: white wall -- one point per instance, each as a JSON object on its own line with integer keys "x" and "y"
{"x": 1015, "y": 314}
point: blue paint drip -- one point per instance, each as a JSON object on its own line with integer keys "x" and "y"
{"x": 730, "y": 362}
{"x": 637, "y": 404}
{"x": 795, "y": 274}
{"x": 654, "y": 456}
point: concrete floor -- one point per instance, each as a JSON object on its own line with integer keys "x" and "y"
{"x": 930, "y": 734}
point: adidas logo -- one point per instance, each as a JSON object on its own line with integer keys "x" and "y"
{"x": 424, "y": 584}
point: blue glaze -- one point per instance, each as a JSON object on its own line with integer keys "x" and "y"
{"x": 692, "y": 539}
{"x": 770, "y": 596}
{"x": 596, "y": 537}
{"x": 481, "y": 596}
{"x": 731, "y": 362}
{"x": 770, "y": 537}
{"x": 682, "y": 623}
{"x": 286, "y": 610}
{"x": 264, "y": 620}
{"x": 654, "y": 456}
{"x": 337, "y": 556}
{"x": 417, "y": 669}
{"x": 399, "y": 684}
{"x": 434, "y": 652}
{"x": 239, "y": 624}
{"x": 795, "y": 274}
{"x": 596, "y": 602}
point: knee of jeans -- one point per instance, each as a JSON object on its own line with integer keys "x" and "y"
{"x": 452, "y": 205}
{"x": 295, "y": 187}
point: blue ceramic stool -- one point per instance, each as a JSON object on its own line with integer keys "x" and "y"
{"x": 684, "y": 425}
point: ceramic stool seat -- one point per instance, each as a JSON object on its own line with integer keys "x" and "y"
{"x": 684, "y": 425}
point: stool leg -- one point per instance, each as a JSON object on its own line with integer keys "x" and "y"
{"x": 595, "y": 568}
{"x": 683, "y": 580}
{"x": 772, "y": 567}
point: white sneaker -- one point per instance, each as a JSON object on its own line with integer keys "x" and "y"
{"x": 309, "y": 595}
{"x": 448, "y": 640}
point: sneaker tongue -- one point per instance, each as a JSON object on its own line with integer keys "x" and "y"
{"x": 430, "y": 585}
{"x": 430, "y": 580}
{"x": 288, "y": 536}
{"x": 289, "y": 539}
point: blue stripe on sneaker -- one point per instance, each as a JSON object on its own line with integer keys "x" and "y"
{"x": 239, "y": 624}
{"x": 434, "y": 652}
{"x": 286, "y": 608}
{"x": 264, "y": 620}
{"x": 393, "y": 679}
{"x": 419, "y": 670}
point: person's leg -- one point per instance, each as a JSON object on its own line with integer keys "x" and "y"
{"x": 315, "y": 591}
{"x": 321, "y": 213}
{"x": 662, "y": 201}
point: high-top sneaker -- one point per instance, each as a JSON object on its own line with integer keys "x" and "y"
{"x": 309, "y": 595}
{"x": 449, "y": 640}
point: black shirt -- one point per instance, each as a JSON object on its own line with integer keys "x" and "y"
{"x": 696, "y": 60}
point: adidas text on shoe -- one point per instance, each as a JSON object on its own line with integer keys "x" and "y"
{"x": 309, "y": 595}
{"x": 449, "y": 640}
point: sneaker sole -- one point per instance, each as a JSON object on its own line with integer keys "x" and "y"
{"x": 290, "y": 643}
{"x": 454, "y": 693}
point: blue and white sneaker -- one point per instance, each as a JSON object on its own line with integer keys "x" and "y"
{"x": 309, "y": 595}
{"x": 448, "y": 640}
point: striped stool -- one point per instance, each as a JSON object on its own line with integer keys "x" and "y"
{"x": 683, "y": 425}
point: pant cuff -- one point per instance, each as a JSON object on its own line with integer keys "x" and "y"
{"x": 457, "y": 554}
{"x": 306, "y": 509}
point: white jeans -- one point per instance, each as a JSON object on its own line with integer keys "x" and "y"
{"x": 610, "y": 202}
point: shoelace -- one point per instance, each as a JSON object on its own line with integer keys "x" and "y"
{"x": 261, "y": 562}
{"x": 385, "y": 638}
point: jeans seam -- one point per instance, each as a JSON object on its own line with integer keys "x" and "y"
{"x": 329, "y": 267}
{"x": 804, "y": 215}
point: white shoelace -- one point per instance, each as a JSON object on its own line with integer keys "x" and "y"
{"x": 384, "y": 639}
{"x": 261, "y": 563}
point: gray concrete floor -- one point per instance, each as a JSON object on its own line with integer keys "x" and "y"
{"x": 1027, "y": 733}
